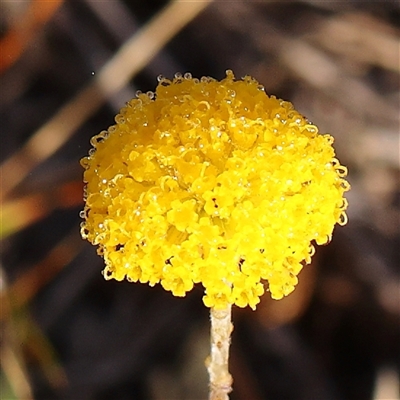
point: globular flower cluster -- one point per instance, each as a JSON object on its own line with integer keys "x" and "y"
{"x": 214, "y": 183}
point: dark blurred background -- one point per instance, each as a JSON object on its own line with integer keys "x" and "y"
{"x": 66, "y": 68}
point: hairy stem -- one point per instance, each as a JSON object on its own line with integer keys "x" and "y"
{"x": 220, "y": 378}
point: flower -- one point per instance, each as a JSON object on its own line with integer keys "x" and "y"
{"x": 214, "y": 183}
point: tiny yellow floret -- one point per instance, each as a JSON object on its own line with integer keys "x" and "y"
{"x": 214, "y": 183}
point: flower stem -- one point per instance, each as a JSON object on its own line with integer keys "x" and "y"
{"x": 220, "y": 378}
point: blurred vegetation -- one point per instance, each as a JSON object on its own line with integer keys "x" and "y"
{"x": 66, "y": 68}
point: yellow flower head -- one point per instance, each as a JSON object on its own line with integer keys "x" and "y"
{"x": 214, "y": 183}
